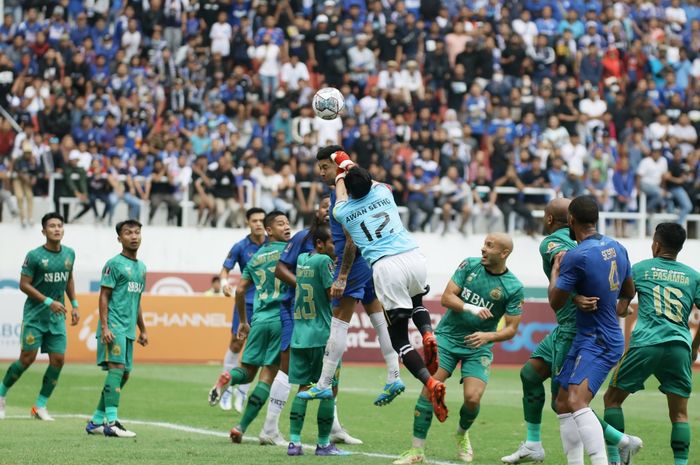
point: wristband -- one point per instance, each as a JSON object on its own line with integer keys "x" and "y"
{"x": 224, "y": 282}
{"x": 340, "y": 176}
{"x": 74, "y": 303}
{"x": 48, "y": 301}
{"x": 473, "y": 309}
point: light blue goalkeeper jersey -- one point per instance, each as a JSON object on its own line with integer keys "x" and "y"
{"x": 374, "y": 224}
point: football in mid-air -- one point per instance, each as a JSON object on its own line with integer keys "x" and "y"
{"x": 328, "y": 103}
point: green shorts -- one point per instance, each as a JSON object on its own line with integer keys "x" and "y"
{"x": 49, "y": 343}
{"x": 305, "y": 366}
{"x": 121, "y": 350}
{"x": 669, "y": 362}
{"x": 262, "y": 348}
{"x": 552, "y": 350}
{"x": 476, "y": 363}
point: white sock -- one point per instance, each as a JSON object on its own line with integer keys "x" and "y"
{"x": 391, "y": 358}
{"x": 573, "y": 447}
{"x": 279, "y": 393}
{"x": 591, "y": 434}
{"x": 230, "y": 360}
{"x": 336, "y": 428}
{"x": 243, "y": 389}
{"x": 337, "y": 342}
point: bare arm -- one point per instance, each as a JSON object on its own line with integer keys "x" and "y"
{"x": 143, "y": 335}
{"x": 451, "y": 298}
{"x": 557, "y": 297}
{"x": 506, "y": 333}
{"x": 223, "y": 275}
{"x": 70, "y": 292}
{"x": 25, "y": 285}
{"x": 244, "y": 327}
{"x": 105, "y": 295}
{"x": 695, "y": 345}
{"x": 349, "y": 252}
{"x": 341, "y": 193}
{"x": 626, "y": 295}
{"x": 284, "y": 274}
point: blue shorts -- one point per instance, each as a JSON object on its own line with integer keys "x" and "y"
{"x": 589, "y": 358}
{"x": 287, "y": 318}
{"x": 360, "y": 285}
{"x": 236, "y": 322}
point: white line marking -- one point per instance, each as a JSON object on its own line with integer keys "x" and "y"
{"x": 218, "y": 434}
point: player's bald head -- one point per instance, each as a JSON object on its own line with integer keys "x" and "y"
{"x": 502, "y": 240}
{"x": 558, "y": 209}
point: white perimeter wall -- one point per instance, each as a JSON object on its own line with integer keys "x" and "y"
{"x": 190, "y": 250}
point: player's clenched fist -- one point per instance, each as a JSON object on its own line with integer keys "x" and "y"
{"x": 342, "y": 159}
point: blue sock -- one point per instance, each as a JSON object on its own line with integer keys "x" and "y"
{"x": 41, "y": 401}
{"x": 533, "y": 432}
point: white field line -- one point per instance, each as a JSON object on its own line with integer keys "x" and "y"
{"x": 218, "y": 434}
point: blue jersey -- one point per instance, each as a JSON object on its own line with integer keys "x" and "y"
{"x": 597, "y": 268}
{"x": 374, "y": 224}
{"x": 240, "y": 253}
{"x": 360, "y": 267}
{"x": 300, "y": 243}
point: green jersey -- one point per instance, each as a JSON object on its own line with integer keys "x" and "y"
{"x": 312, "y": 308}
{"x": 269, "y": 291}
{"x": 502, "y": 294}
{"x": 49, "y": 272}
{"x": 550, "y": 246}
{"x": 127, "y": 279}
{"x": 667, "y": 290}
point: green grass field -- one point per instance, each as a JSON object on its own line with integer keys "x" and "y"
{"x": 166, "y": 406}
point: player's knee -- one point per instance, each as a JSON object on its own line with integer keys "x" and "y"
{"x": 561, "y": 404}
{"x": 612, "y": 399}
{"x": 27, "y": 358}
{"x": 678, "y": 416}
{"x": 57, "y": 360}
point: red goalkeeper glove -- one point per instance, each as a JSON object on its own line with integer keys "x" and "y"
{"x": 342, "y": 159}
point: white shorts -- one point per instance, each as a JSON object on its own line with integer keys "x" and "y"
{"x": 397, "y": 278}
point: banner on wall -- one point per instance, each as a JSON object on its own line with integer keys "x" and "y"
{"x": 196, "y": 329}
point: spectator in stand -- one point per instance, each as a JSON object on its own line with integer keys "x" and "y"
{"x": 215, "y": 290}
{"x": 160, "y": 188}
{"x": 98, "y": 189}
{"x": 511, "y": 203}
{"x": 420, "y": 198}
{"x": 623, "y": 193}
{"x": 454, "y": 194}
{"x": 396, "y": 178}
{"x": 484, "y": 197}
{"x": 26, "y": 170}
{"x": 650, "y": 175}
{"x": 225, "y": 197}
{"x": 598, "y": 188}
{"x": 273, "y": 186}
{"x": 122, "y": 188}
{"x": 674, "y": 181}
{"x": 75, "y": 185}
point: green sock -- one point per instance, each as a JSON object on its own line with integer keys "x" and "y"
{"x": 239, "y": 375}
{"x": 613, "y": 430}
{"x": 467, "y": 417}
{"x": 41, "y": 401}
{"x": 48, "y": 384}
{"x": 111, "y": 392}
{"x": 422, "y": 418}
{"x": 296, "y": 419}
{"x": 533, "y": 432}
{"x": 324, "y": 419}
{"x": 533, "y": 399}
{"x": 13, "y": 373}
{"x": 99, "y": 416}
{"x": 680, "y": 442}
{"x": 125, "y": 378}
{"x": 256, "y": 401}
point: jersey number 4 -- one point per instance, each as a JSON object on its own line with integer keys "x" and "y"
{"x": 380, "y": 228}
{"x": 666, "y": 302}
{"x": 614, "y": 277}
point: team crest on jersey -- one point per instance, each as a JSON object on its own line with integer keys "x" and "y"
{"x": 551, "y": 246}
{"x": 496, "y": 293}
{"x": 116, "y": 350}
{"x": 471, "y": 277}
{"x": 68, "y": 264}
{"x": 45, "y": 262}
{"x": 30, "y": 339}
{"x": 485, "y": 361}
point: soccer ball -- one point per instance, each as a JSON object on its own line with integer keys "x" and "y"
{"x": 328, "y": 103}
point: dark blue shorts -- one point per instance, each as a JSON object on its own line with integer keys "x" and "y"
{"x": 287, "y": 318}
{"x": 589, "y": 358}
{"x": 236, "y": 322}
{"x": 360, "y": 285}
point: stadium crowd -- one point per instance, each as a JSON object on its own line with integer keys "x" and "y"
{"x": 165, "y": 100}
